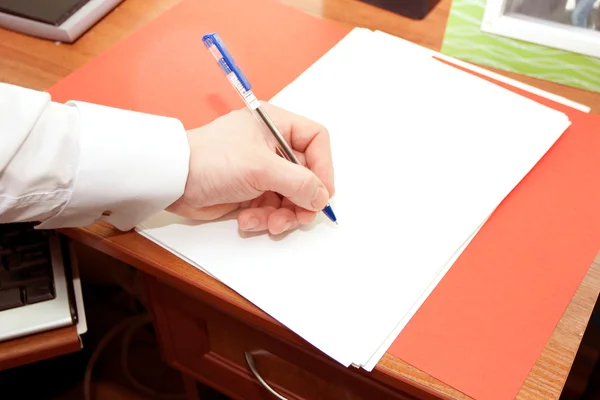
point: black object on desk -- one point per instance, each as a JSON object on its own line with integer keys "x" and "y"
{"x": 414, "y": 9}
{"x": 25, "y": 266}
{"x": 53, "y": 12}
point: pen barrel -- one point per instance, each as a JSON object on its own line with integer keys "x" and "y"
{"x": 282, "y": 144}
{"x": 286, "y": 151}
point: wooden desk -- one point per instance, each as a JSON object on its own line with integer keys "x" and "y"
{"x": 29, "y": 349}
{"x": 203, "y": 326}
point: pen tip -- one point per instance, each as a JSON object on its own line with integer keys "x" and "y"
{"x": 329, "y": 213}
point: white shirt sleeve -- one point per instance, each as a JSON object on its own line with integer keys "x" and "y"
{"x": 71, "y": 165}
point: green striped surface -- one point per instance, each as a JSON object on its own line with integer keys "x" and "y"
{"x": 464, "y": 40}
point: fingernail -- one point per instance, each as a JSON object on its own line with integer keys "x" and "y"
{"x": 287, "y": 227}
{"x": 320, "y": 199}
{"x": 251, "y": 223}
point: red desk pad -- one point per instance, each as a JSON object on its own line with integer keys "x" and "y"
{"x": 488, "y": 320}
{"x": 484, "y": 326}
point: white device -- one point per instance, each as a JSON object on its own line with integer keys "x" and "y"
{"x": 63, "y": 310}
{"x": 69, "y": 30}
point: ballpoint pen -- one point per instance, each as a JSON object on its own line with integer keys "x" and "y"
{"x": 238, "y": 80}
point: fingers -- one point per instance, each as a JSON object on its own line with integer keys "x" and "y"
{"x": 302, "y": 158}
{"x": 282, "y": 220}
{"x": 256, "y": 217}
{"x": 288, "y": 217}
{"x": 299, "y": 184}
{"x": 210, "y": 213}
{"x": 308, "y": 137}
{"x": 267, "y": 217}
{"x": 305, "y": 217}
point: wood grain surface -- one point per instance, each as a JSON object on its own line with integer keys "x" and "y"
{"x": 38, "y": 64}
{"x": 29, "y": 349}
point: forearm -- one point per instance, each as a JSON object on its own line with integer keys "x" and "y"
{"x": 80, "y": 163}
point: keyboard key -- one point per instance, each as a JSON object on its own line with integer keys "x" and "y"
{"x": 29, "y": 247}
{"x": 37, "y": 293}
{"x": 35, "y": 254}
{"x": 32, "y": 257}
{"x": 26, "y": 272}
{"x": 24, "y": 277}
{"x": 10, "y": 298}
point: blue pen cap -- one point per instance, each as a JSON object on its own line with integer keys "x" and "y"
{"x": 212, "y": 41}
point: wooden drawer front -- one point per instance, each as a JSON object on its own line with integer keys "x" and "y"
{"x": 211, "y": 346}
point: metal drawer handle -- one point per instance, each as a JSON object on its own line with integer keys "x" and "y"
{"x": 252, "y": 366}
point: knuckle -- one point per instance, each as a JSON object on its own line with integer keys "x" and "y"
{"x": 257, "y": 174}
{"x": 305, "y": 185}
{"x": 299, "y": 184}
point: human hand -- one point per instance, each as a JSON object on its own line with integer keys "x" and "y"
{"x": 233, "y": 165}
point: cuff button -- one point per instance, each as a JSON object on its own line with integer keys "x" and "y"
{"x": 107, "y": 213}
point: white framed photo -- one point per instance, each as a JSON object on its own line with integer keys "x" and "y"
{"x": 571, "y": 25}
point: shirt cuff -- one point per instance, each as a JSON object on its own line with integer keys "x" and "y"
{"x": 131, "y": 165}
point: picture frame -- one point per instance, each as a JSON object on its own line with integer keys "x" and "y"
{"x": 546, "y": 26}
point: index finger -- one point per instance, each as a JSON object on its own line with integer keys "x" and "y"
{"x": 309, "y": 137}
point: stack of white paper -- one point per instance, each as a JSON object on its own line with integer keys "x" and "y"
{"x": 423, "y": 154}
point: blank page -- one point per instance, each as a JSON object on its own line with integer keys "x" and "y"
{"x": 423, "y": 154}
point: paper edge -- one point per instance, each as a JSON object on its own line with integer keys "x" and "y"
{"x": 382, "y": 350}
{"x": 499, "y": 77}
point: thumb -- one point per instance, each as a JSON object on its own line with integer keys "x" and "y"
{"x": 296, "y": 182}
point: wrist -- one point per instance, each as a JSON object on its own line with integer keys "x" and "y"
{"x": 131, "y": 165}
{"x": 180, "y": 201}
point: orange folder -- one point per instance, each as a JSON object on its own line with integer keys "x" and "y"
{"x": 484, "y": 326}
{"x": 488, "y": 320}
{"x": 163, "y": 67}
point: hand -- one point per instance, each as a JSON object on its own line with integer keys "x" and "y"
{"x": 233, "y": 165}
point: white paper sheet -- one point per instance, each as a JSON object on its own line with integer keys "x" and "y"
{"x": 413, "y": 310}
{"x": 399, "y": 44}
{"x": 423, "y": 153}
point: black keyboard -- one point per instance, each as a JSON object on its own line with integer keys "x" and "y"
{"x": 26, "y": 275}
